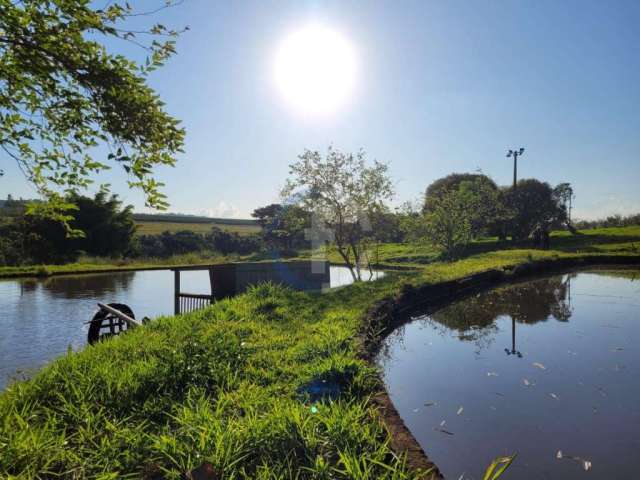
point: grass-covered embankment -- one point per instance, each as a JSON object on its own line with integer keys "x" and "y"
{"x": 225, "y": 386}
{"x": 615, "y": 240}
{"x": 97, "y": 265}
{"x": 145, "y": 227}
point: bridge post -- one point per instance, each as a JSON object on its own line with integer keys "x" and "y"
{"x": 176, "y": 292}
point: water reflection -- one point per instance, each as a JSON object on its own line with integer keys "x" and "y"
{"x": 69, "y": 286}
{"x": 529, "y": 303}
{"x": 41, "y": 319}
{"x": 536, "y": 368}
{"x": 532, "y": 302}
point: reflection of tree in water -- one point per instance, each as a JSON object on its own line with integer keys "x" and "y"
{"x": 632, "y": 274}
{"x": 531, "y": 302}
{"x": 482, "y": 336}
{"x": 88, "y": 284}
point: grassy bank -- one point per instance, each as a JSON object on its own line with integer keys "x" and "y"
{"x": 623, "y": 240}
{"x": 97, "y": 265}
{"x": 226, "y": 385}
{"x": 233, "y": 386}
{"x": 145, "y": 227}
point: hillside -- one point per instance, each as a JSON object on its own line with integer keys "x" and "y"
{"x": 153, "y": 224}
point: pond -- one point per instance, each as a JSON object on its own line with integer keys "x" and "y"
{"x": 41, "y": 319}
{"x": 548, "y": 369}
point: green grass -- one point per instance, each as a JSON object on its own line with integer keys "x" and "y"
{"x": 145, "y": 227}
{"x": 222, "y": 385}
{"x": 623, "y": 240}
{"x": 98, "y": 264}
{"x": 226, "y": 385}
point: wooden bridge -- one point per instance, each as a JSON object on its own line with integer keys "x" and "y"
{"x": 229, "y": 279}
{"x": 225, "y": 280}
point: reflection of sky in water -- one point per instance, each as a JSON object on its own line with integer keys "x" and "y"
{"x": 576, "y": 387}
{"x": 39, "y": 319}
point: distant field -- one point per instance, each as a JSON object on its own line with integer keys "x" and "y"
{"x": 156, "y": 228}
{"x": 154, "y": 224}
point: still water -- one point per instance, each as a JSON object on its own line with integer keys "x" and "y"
{"x": 537, "y": 368}
{"x": 41, "y": 319}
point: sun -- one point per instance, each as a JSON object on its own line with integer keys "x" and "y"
{"x": 315, "y": 70}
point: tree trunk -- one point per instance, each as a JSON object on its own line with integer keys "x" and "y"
{"x": 345, "y": 257}
{"x": 356, "y": 257}
{"x": 571, "y": 228}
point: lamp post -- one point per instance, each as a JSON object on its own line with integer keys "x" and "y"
{"x": 515, "y": 154}
{"x": 513, "y": 350}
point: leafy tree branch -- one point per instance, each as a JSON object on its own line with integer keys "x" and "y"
{"x": 62, "y": 93}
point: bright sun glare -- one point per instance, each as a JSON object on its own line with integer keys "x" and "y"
{"x": 315, "y": 70}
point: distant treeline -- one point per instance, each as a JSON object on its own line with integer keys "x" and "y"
{"x": 103, "y": 227}
{"x": 610, "y": 221}
{"x": 168, "y": 244}
{"x": 183, "y": 218}
{"x": 107, "y": 230}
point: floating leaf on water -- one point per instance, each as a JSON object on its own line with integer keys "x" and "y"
{"x": 431, "y": 404}
{"x": 527, "y": 383}
{"x": 460, "y": 410}
{"x": 442, "y": 430}
{"x": 442, "y": 423}
{"x": 492, "y": 374}
{"x": 586, "y": 464}
{"x": 617, "y": 349}
{"x": 571, "y": 352}
{"x": 554, "y": 396}
{"x": 492, "y": 407}
{"x": 539, "y": 365}
{"x": 499, "y": 394}
{"x": 416, "y": 410}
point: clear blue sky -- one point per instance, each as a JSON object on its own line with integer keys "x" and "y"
{"x": 442, "y": 86}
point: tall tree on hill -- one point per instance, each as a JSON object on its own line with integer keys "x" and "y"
{"x": 283, "y": 225}
{"x": 564, "y": 195}
{"x": 480, "y": 193}
{"x": 62, "y": 93}
{"x": 535, "y": 204}
{"x": 452, "y": 182}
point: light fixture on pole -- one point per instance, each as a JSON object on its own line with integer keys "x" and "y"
{"x": 515, "y": 154}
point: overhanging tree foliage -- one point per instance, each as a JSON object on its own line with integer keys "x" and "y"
{"x": 62, "y": 93}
